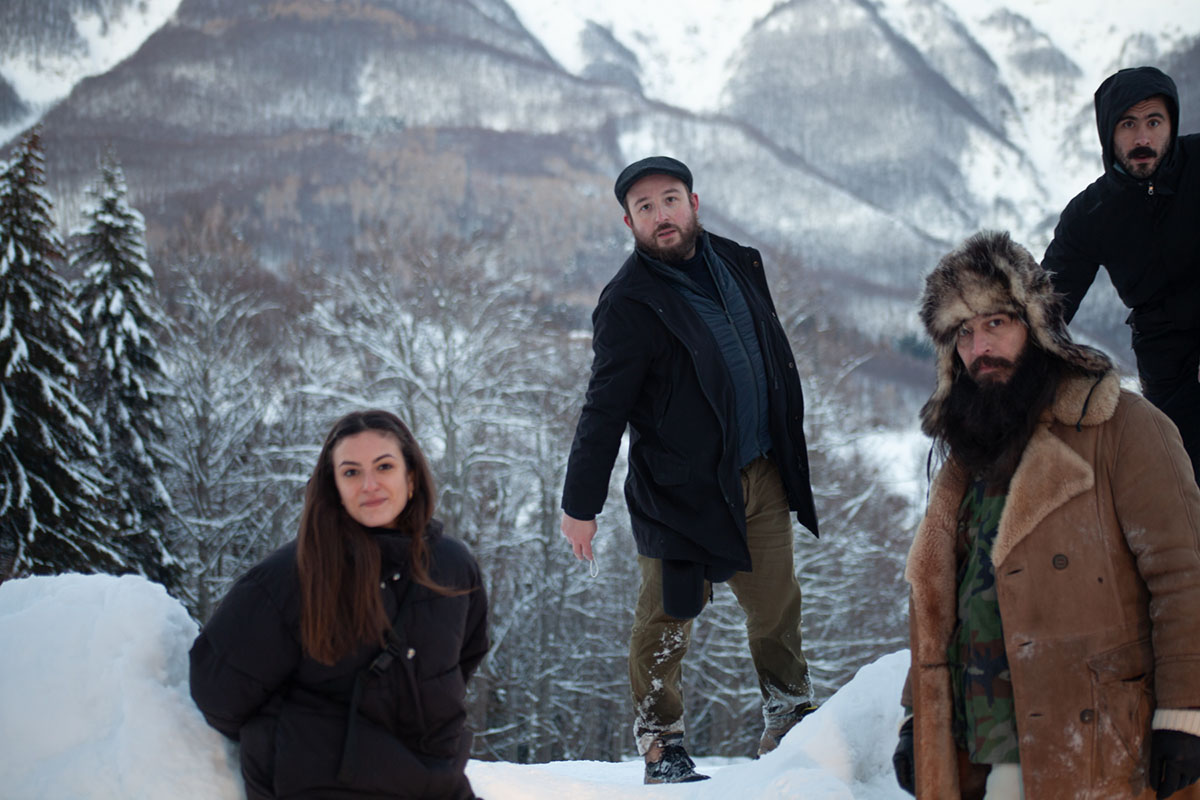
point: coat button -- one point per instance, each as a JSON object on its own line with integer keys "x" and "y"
{"x": 410, "y": 653}
{"x": 396, "y": 577}
{"x": 1087, "y": 715}
{"x": 383, "y": 584}
{"x": 1059, "y": 561}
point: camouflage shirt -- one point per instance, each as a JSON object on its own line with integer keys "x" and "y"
{"x": 984, "y": 716}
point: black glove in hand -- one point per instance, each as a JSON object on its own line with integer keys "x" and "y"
{"x": 902, "y": 759}
{"x": 1174, "y": 761}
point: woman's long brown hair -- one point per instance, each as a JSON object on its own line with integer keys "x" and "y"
{"x": 338, "y": 559}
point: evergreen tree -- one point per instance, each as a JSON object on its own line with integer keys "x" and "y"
{"x": 121, "y": 372}
{"x": 51, "y": 492}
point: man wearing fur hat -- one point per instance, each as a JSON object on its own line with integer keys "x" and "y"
{"x": 1055, "y": 578}
{"x": 1141, "y": 220}
{"x": 690, "y": 355}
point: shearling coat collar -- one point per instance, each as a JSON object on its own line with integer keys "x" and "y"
{"x": 1048, "y": 475}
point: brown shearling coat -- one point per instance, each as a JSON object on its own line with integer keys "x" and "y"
{"x": 1097, "y": 565}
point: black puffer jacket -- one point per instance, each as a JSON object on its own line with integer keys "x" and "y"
{"x": 253, "y": 683}
{"x": 657, "y": 367}
{"x": 1146, "y": 233}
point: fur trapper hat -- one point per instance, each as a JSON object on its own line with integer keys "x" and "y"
{"x": 991, "y": 274}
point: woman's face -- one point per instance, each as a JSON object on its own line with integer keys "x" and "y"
{"x": 371, "y": 478}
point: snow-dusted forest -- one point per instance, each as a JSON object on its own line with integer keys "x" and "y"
{"x": 166, "y": 426}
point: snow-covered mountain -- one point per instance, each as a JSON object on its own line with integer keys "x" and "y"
{"x": 48, "y": 47}
{"x": 862, "y": 138}
{"x": 1048, "y": 54}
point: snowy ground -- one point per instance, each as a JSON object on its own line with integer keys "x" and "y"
{"x": 94, "y": 705}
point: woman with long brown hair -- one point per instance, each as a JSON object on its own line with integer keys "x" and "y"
{"x": 340, "y": 661}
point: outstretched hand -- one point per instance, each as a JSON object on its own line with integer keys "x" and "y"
{"x": 579, "y": 533}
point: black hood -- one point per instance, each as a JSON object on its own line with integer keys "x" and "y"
{"x": 1126, "y": 89}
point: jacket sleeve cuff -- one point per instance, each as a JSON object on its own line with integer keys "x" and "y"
{"x": 1177, "y": 719}
{"x": 580, "y": 517}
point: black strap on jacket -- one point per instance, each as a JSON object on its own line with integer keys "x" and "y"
{"x": 393, "y": 649}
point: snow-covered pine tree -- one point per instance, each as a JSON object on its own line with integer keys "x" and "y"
{"x": 52, "y": 495}
{"x": 121, "y": 375}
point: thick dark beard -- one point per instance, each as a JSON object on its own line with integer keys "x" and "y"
{"x": 986, "y": 425}
{"x": 676, "y": 254}
{"x": 1144, "y": 171}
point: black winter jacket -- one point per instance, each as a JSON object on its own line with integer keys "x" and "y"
{"x": 657, "y": 368}
{"x": 1146, "y": 232}
{"x": 253, "y": 683}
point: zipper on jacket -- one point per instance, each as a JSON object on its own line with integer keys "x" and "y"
{"x": 1150, "y": 189}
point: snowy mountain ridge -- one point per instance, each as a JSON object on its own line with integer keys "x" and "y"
{"x": 1059, "y": 134}
{"x": 100, "y": 37}
{"x": 864, "y": 136}
{"x": 684, "y": 51}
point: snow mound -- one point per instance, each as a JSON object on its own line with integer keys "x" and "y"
{"x": 94, "y": 705}
{"x": 94, "y": 698}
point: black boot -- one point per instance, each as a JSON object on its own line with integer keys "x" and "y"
{"x": 668, "y": 762}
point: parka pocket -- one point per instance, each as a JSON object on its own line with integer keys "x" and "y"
{"x": 668, "y": 470}
{"x": 1123, "y": 697}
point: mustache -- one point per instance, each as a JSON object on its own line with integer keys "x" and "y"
{"x": 1142, "y": 152}
{"x": 996, "y": 362}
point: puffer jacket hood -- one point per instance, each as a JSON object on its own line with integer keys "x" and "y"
{"x": 1125, "y": 89}
{"x": 991, "y": 274}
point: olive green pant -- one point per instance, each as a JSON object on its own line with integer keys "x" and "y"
{"x": 770, "y": 596}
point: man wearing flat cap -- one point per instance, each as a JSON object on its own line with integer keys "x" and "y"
{"x": 690, "y": 355}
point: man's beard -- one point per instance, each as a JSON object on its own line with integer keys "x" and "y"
{"x": 677, "y": 253}
{"x": 1140, "y": 170}
{"x": 986, "y": 425}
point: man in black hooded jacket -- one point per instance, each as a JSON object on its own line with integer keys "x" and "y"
{"x": 1141, "y": 221}
{"x": 690, "y": 354}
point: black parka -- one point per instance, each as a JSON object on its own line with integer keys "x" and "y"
{"x": 1145, "y": 232}
{"x": 253, "y": 683}
{"x": 658, "y": 368}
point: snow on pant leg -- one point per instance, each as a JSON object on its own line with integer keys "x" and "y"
{"x": 657, "y": 645}
{"x": 770, "y": 594}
